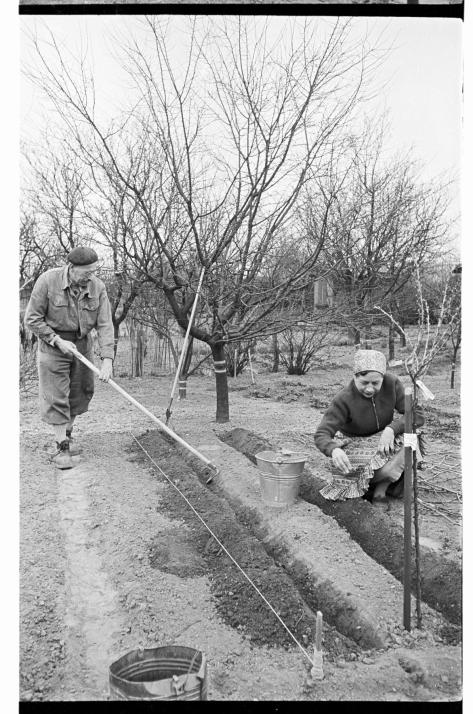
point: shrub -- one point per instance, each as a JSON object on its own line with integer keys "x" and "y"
{"x": 299, "y": 348}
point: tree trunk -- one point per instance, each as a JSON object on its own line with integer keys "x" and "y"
{"x": 453, "y": 368}
{"x": 172, "y": 353}
{"x": 403, "y": 335}
{"x": 116, "y": 337}
{"x": 139, "y": 353}
{"x": 131, "y": 335}
{"x": 354, "y": 335}
{"x": 391, "y": 341}
{"x": 276, "y": 354}
{"x": 221, "y": 383}
{"x": 185, "y": 369}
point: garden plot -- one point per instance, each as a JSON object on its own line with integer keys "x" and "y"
{"x": 164, "y": 581}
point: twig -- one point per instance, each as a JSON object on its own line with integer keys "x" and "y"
{"x": 439, "y": 513}
{"x": 435, "y": 487}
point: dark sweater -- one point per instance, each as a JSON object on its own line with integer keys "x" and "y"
{"x": 355, "y": 414}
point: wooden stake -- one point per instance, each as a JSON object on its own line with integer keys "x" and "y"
{"x": 417, "y": 542}
{"x": 184, "y": 350}
{"x": 416, "y": 523}
{"x": 317, "y": 671}
{"x": 407, "y": 511}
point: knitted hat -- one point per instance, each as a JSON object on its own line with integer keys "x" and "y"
{"x": 369, "y": 361}
{"x": 82, "y": 256}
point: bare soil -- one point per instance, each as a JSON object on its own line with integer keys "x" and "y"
{"x": 113, "y": 558}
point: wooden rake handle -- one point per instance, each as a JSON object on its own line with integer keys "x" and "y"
{"x": 143, "y": 409}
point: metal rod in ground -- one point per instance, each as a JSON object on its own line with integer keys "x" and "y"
{"x": 417, "y": 541}
{"x": 184, "y": 345}
{"x": 149, "y": 414}
{"x": 407, "y": 511}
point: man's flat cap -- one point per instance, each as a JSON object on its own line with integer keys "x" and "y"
{"x": 82, "y": 256}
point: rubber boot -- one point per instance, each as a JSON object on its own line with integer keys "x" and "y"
{"x": 63, "y": 459}
{"x": 73, "y": 450}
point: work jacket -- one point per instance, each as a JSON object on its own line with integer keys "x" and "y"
{"x": 52, "y": 309}
{"x": 353, "y": 414}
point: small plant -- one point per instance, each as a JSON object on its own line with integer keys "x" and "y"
{"x": 431, "y": 338}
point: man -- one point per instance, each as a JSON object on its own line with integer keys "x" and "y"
{"x": 65, "y": 305}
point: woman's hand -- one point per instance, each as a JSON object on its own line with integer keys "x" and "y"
{"x": 386, "y": 442}
{"x": 341, "y": 461}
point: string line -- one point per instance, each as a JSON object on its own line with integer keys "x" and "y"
{"x": 226, "y": 551}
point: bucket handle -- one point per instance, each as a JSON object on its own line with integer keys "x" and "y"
{"x": 179, "y": 683}
{"x": 192, "y": 662}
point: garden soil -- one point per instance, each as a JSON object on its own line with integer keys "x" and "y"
{"x": 114, "y": 558}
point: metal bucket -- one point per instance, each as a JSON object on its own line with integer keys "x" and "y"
{"x": 161, "y": 673}
{"x": 280, "y": 476}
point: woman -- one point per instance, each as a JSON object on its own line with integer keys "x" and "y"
{"x": 360, "y": 433}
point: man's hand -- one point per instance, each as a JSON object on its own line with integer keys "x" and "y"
{"x": 106, "y": 370}
{"x": 341, "y": 461}
{"x": 386, "y": 442}
{"x": 64, "y": 345}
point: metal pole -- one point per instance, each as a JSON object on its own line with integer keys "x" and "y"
{"x": 407, "y": 510}
{"x": 133, "y": 401}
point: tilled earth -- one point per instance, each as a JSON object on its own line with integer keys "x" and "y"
{"x": 113, "y": 558}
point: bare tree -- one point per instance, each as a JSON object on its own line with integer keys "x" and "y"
{"x": 58, "y": 192}
{"x": 36, "y": 249}
{"x": 383, "y": 222}
{"x": 237, "y": 127}
{"x": 117, "y": 223}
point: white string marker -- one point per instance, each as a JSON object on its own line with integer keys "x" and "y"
{"x": 425, "y": 391}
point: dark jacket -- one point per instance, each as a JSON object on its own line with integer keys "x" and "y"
{"x": 352, "y": 413}
{"x": 53, "y": 308}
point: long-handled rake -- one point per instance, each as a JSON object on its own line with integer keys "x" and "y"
{"x": 149, "y": 414}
